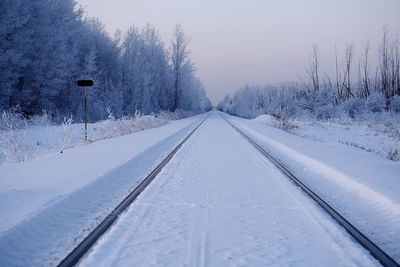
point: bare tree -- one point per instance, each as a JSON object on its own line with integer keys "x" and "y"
{"x": 395, "y": 67}
{"x": 384, "y": 64}
{"x": 338, "y": 77}
{"x": 347, "y": 74}
{"x": 365, "y": 80}
{"x": 314, "y": 68}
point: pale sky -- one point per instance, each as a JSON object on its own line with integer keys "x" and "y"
{"x": 256, "y": 42}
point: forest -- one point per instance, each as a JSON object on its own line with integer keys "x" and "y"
{"x": 47, "y": 45}
{"x": 357, "y": 89}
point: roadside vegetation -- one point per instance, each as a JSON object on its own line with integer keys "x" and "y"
{"x": 23, "y": 139}
{"x": 357, "y": 94}
{"x": 47, "y": 45}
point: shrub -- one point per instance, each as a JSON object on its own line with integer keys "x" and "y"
{"x": 353, "y": 107}
{"x": 375, "y": 102}
{"x": 11, "y": 145}
{"x": 12, "y": 118}
{"x": 325, "y": 112}
{"x": 395, "y": 104}
{"x": 282, "y": 116}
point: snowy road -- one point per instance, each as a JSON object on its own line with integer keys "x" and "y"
{"x": 218, "y": 203}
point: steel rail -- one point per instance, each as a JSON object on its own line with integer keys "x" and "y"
{"x": 79, "y": 251}
{"x": 375, "y": 251}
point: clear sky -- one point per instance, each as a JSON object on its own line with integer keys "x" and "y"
{"x": 256, "y": 42}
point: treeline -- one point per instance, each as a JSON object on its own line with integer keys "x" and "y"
{"x": 356, "y": 89}
{"x": 47, "y": 45}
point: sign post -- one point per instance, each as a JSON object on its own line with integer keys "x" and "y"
{"x": 84, "y": 84}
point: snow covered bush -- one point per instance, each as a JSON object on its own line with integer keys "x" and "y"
{"x": 177, "y": 115}
{"x": 65, "y": 140}
{"x": 25, "y": 139}
{"x": 148, "y": 122}
{"x": 353, "y": 107}
{"x": 375, "y": 102}
{"x": 325, "y": 112}
{"x": 40, "y": 119}
{"x": 113, "y": 127}
{"x": 12, "y": 118}
{"x": 395, "y": 104}
{"x": 12, "y": 145}
{"x": 15, "y": 144}
{"x": 283, "y": 117}
{"x": 324, "y": 106}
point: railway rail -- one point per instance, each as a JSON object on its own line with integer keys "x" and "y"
{"x": 79, "y": 251}
{"x": 375, "y": 251}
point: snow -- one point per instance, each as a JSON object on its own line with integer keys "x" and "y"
{"x": 39, "y": 138}
{"x": 219, "y": 202}
{"x": 381, "y": 138}
{"x": 265, "y": 118}
{"x": 362, "y": 186}
{"x": 50, "y": 203}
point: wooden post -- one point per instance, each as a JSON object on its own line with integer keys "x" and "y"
{"x": 84, "y": 84}
{"x": 85, "y": 115}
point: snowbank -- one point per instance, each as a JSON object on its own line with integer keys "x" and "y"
{"x": 361, "y": 185}
{"x": 378, "y": 136}
{"x": 49, "y": 203}
{"x": 266, "y": 119}
{"x": 23, "y": 140}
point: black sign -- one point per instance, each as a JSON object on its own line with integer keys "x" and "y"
{"x": 84, "y": 83}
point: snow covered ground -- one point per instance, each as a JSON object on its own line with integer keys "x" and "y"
{"x": 382, "y": 138}
{"x": 50, "y": 203}
{"x": 219, "y": 202}
{"x": 362, "y": 186}
{"x": 23, "y": 140}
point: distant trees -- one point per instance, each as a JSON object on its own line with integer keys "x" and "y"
{"x": 145, "y": 71}
{"x": 153, "y": 79}
{"x": 371, "y": 92}
{"x": 389, "y": 65}
{"x": 46, "y": 45}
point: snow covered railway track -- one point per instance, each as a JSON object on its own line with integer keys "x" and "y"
{"x": 375, "y": 251}
{"x": 79, "y": 251}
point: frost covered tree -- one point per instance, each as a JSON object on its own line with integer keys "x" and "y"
{"x": 146, "y": 75}
{"x": 181, "y": 64}
{"x": 35, "y": 47}
{"x": 46, "y": 45}
{"x": 320, "y": 97}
